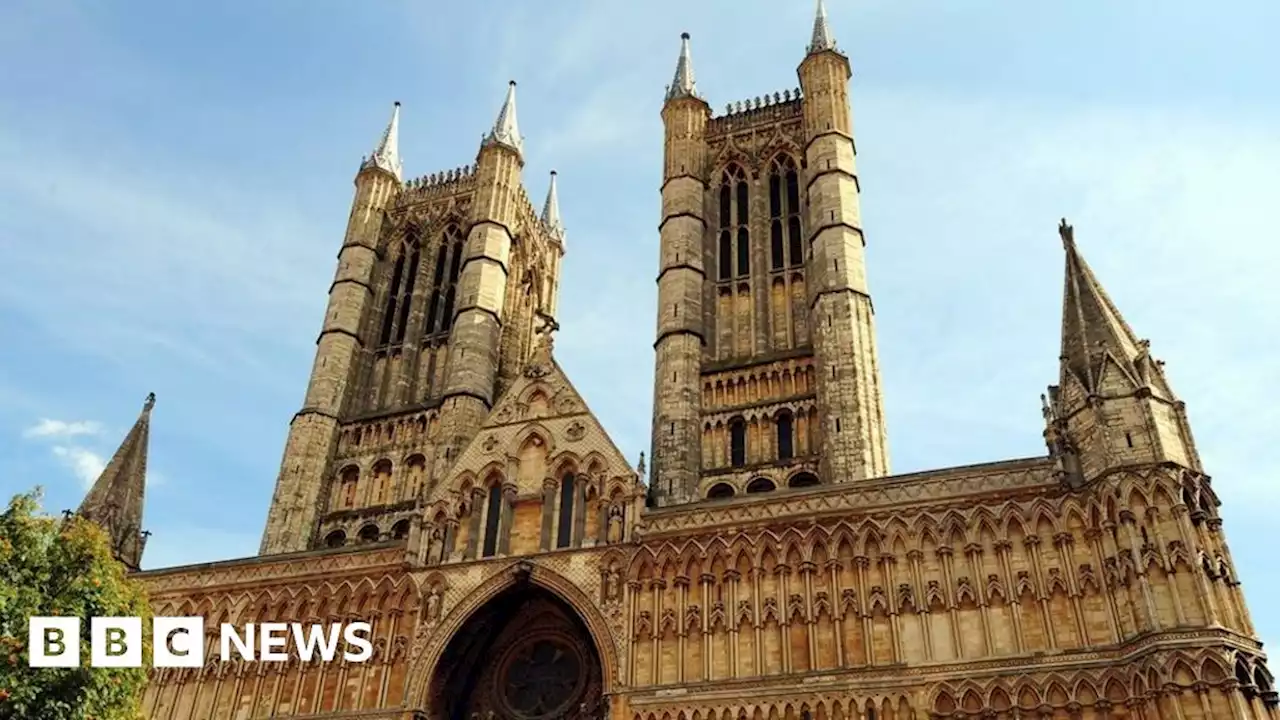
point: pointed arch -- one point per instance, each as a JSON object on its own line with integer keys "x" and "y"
{"x": 403, "y": 268}
{"x": 424, "y": 668}
{"x": 444, "y": 280}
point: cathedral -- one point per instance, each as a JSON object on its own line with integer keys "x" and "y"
{"x": 444, "y": 480}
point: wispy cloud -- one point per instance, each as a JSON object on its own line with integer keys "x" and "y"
{"x": 86, "y": 465}
{"x": 47, "y": 428}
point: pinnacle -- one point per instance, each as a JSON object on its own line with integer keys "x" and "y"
{"x": 551, "y": 211}
{"x": 506, "y": 131}
{"x": 683, "y": 84}
{"x": 822, "y": 38}
{"x": 386, "y": 155}
{"x": 1092, "y": 326}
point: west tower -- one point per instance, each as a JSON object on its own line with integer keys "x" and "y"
{"x": 766, "y": 372}
{"x": 441, "y": 281}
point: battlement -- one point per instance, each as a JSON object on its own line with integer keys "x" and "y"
{"x": 760, "y": 110}
{"x": 441, "y": 184}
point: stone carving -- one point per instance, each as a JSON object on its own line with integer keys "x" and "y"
{"x": 433, "y": 605}
{"x": 575, "y": 431}
{"x": 615, "y": 524}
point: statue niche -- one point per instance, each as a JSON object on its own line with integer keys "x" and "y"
{"x": 525, "y": 655}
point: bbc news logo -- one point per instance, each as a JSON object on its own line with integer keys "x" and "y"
{"x": 179, "y": 642}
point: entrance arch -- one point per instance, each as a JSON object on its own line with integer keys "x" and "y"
{"x": 525, "y": 645}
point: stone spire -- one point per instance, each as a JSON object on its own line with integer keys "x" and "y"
{"x": 387, "y": 155}
{"x": 1094, "y": 334}
{"x": 551, "y": 211}
{"x": 683, "y": 85}
{"x": 506, "y": 131}
{"x": 115, "y": 501}
{"x": 822, "y": 38}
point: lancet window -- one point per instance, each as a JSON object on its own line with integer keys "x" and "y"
{"x": 737, "y": 442}
{"x": 444, "y": 282}
{"x": 564, "y": 532}
{"x": 404, "y": 273}
{"x": 786, "y": 435}
{"x": 493, "y": 513}
{"x": 734, "y": 244}
{"x": 785, "y": 245}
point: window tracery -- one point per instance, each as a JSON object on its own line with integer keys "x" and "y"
{"x": 734, "y": 238}
{"x": 444, "y": 282}
{"x": 404, "y": 274}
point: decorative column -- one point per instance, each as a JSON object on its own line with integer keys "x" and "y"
{"x": 837, "y": 610}
{"x": 547, "y": 532}
{"x": 1098, "y": 542}
{"x": 602, "y": 516}
{"x": 656, "y": 586}
{"x": 477, "y": 514}
{"x": 863, "y": 563}
{"x": 1187, "y": 519}
{"x": 682, "y": 600}
{"x": 1064, "y": 541}
{"x": 973, "y": 554}
{"x": 782, "y": 573}
{"x": 922, "y": 613}
{"x": 1002, "y": 548}
{"x": 707, "y": 579}
{"x": 811, "y": 630}
{"x": 1162, "y": 545}
{"x": 578, "y": 537}
{"x": 508, "y": 510}
{"x": 732, "y": 579}
{"x": 756, "y": 622}
{"x": 1032, "y": 545}
{"x": 888, "y": 563}
{"x": 1127, "y": 521}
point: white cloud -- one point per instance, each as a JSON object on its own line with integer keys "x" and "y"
{"x": 85, "y": 464}
{"x": 47, "y": 428}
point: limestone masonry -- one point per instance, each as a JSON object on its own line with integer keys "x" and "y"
{"x": 446, "y": 482}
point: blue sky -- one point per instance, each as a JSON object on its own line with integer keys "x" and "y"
{"x": 175, "y": 179}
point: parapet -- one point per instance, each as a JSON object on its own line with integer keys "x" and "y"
{"x": 760, "y": 110}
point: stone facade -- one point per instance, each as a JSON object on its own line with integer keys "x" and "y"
{"x": 446, "y": 482}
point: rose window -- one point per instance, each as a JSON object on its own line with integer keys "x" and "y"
{"x": 541, "y": 678}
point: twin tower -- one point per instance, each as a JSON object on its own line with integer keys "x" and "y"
{"x": 766, "y": 373}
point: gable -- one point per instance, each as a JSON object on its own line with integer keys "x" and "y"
{"x": 541, "y": 428}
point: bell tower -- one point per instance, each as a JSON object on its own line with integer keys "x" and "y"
{"x": 431, "y": 316}
{"x": 766, "y": 373}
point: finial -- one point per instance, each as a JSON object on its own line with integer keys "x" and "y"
{"x": 683, "y": 84}
{"x": 506, "y": 130}
{"x": 1067, "y": 233}
{"x": 822, "y": 39}
{"x": 387, "y": 155}
{"x": 150, "y": 402}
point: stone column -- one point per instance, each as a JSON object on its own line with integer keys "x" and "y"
{"x": 508, "y": 511}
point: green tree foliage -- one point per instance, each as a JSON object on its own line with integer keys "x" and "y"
{"x": 63, "y": 567}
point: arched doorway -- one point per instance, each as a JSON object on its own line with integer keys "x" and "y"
{"x": 524, "y": 655}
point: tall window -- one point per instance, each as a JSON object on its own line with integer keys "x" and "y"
{"x": 786, "y": 449}
{"x": 734, "y": 239}
{"x": 395, "y": 318}
{"x": 564, "y": 534}
{"x": 737, "y": 442}
{"x": 444, "y": 281}
{"x": 725, "y": 254}
{"x": 493, "y": 513}
{"x": 784, "y": 214}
